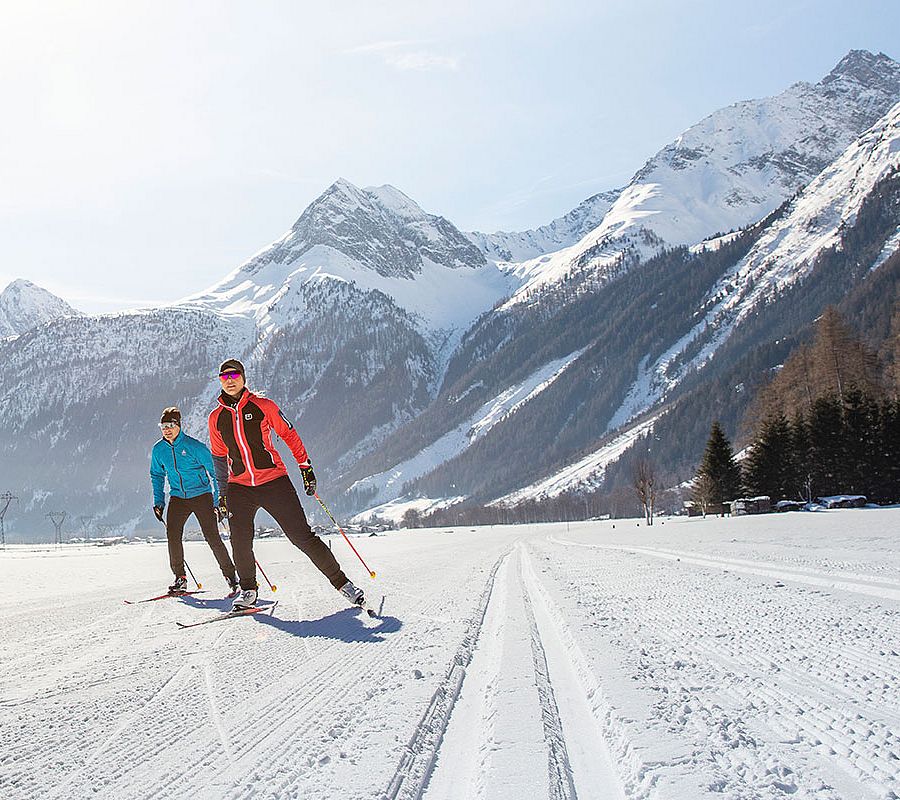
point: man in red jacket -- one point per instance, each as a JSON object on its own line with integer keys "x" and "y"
{"x": 251, "y": 475}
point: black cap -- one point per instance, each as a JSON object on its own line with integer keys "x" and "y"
{"x": 232, "y": 365}
{"x": 171, "y": 414}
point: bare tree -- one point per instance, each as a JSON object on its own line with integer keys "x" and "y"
{"x": 644, "y": 483}
{"x": 702, "y": 492}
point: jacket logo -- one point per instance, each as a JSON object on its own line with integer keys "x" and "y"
{"x": 248, "y": 416}
{"x": 184, "y": 452}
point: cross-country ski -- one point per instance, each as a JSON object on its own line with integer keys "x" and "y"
{"x": 165, "y": 596}
{"x": 245, "y": 612}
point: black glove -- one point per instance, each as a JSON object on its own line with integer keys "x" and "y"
{"x": 222, "y": 510}
{"x": 158, "y": 510}
{"x": 309, "y": 479}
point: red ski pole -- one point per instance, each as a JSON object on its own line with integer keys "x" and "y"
{"x": 371, "y": 573}
{"x": 272, "y": 586}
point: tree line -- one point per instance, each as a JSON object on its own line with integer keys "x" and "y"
{"x": 827, "y": 423}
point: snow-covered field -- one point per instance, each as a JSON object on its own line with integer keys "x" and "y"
{"x": 742, "y": 658}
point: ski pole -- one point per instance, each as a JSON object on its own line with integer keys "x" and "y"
{"x": 272, "y": 586}
{"x": 371, "y": 573}
{"x": 191, "y": 573}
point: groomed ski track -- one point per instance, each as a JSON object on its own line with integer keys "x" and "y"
{"x": 705, "y": 658}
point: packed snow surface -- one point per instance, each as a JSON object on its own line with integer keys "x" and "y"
{"x": 755, "y": 657}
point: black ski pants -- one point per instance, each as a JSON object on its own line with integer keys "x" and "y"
{"x": 179, "y": 511}
{"x": 279, "y": 498}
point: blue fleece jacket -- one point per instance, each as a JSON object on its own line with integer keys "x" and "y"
{"x": 188, "y": 465}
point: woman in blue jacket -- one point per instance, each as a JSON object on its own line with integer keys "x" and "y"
{"x": 188, "y": 466}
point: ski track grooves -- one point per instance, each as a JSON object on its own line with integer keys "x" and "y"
{"x": 595, "y": 708}
{"x": 167, "y": 687}
{"x": 879, "y": 587}
{"x": 860, "y": 741}
{"x": 286, "y": 715}
{"x": 412, "y": 774}
{"x": 561, "y": 785}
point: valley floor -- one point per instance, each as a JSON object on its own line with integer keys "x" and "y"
{"x": 756, "y": 657}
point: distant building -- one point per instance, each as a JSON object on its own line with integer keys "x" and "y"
{"x": 789, "y": 505}
{"x": 694, "y": 509}
{"x": 751, "y": 505}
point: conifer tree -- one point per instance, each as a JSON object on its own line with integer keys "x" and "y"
{"x": 826, "y": 449}
{"x": 860, "y": 434}
{"x": 719, "y": 477}
{"x": 800, "y": 457}
{"x": 768, "y": 468}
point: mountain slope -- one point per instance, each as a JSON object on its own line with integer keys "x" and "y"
{"x": 24, "y": 306}
{"x": 729, "y": 170}
{"x": 561, "y": 232}
{"x": 653, "y": 335}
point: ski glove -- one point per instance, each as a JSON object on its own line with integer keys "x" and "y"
{"x": 158, "y": 510}
{"x": 222, "y": 510}
{"x": 309, "y": 479}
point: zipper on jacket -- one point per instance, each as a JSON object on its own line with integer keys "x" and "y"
{"x": 175, "y": 462}
{"x": 244, "y": 449}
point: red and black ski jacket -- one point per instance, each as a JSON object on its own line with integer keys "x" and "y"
{"x": 241, "y": 430}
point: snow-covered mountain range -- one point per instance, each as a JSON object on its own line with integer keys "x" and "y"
{"x": 24, "y": 306}
{"x": 729, "y": 170}
{"x": 376, "y": 240}
{"x": 426, "y": 366}
{"x": 563, "y": 232}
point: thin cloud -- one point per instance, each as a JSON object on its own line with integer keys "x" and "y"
{"x": 423, "y": 62}
{"x": 400, "y": 54}
{"x": 379, "y": 47}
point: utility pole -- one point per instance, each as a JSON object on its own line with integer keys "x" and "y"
{"x": 5, "y": 499}
{"x": 85, "y": 525}
{"x": 57, "y": 518}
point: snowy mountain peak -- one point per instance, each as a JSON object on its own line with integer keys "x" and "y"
{"x": 379, "y": 228}
{"x": 729, "y": 170}
{"x": 23, "y": 306}
{"x": 866, "y": 69}
{"x": 377, "y": 239}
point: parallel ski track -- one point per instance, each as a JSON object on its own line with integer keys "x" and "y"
{"x": 609, "y": 731}
{"x": 274, "y": 719}
{"x": 417, "y": 763}
{"x": 559, "y": 770}
{"x": 795, "y": 698}
{"x": 280, "y": 725}
{"x": 874, "y": 586}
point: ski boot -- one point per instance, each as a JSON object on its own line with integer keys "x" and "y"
{"x": 233, "y": 586}
{"x": 353, "y": 593}
{"x": 179, "y": 586}
{"x": 245, "y": 600}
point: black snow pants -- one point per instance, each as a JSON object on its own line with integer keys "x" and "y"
{"x": 179, "y": 511}
{"x": 279, "y": 498}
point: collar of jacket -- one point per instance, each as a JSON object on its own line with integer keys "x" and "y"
{"x": 233, "y": 402}
{"x": 176, "y": 440}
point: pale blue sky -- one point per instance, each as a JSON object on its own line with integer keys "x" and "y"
{"x": 147, "y": 148}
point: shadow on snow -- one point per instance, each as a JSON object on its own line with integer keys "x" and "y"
{"x": 346, "y": 625}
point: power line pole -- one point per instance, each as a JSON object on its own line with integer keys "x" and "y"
{"x": 85, "y": 525}
{"x": 57, "y": 518}
{"x": 6, "y": 498}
